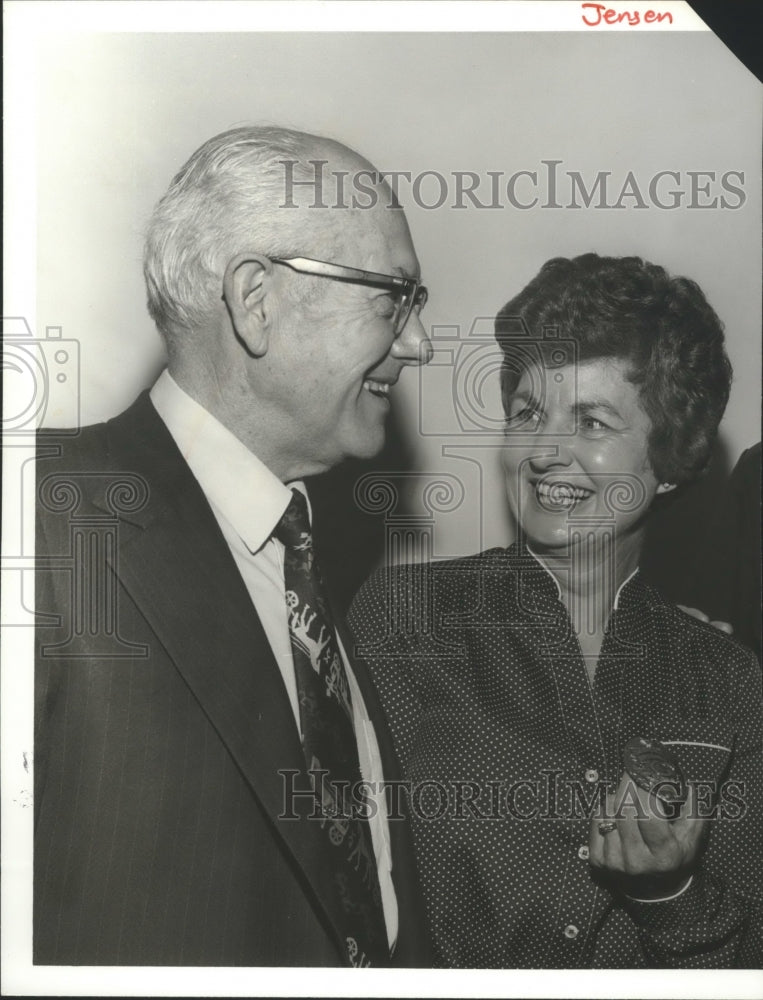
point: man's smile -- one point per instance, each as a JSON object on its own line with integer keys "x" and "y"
{"x": 379, "y": 387}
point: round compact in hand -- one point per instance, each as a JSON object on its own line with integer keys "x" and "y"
{"x": 656, "y": 769}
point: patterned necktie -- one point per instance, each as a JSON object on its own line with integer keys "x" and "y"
{"x": 328, "y": 738}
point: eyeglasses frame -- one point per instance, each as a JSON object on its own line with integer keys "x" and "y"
{"x": 414, "y": 295}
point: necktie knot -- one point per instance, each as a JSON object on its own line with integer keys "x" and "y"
{"x": 294, "y": 527}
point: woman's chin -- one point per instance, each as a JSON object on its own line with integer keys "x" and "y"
{"x": 557, "y": 541}
{"x": 545, "y": 530}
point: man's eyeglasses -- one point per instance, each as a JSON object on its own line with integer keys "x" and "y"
{"x": 408, "y": 293}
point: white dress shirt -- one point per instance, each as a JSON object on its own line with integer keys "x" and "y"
{"x": 248, "y": 500}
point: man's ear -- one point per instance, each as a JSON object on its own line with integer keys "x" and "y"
{"x": 246, "y": 286}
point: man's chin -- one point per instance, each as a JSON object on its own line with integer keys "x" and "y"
{"x": 368, "y": 449}
{"x": 359, "y": 449}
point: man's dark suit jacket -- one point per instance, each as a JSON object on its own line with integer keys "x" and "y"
{"x": 161, "y": 724}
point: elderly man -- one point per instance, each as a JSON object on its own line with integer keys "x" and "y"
{"x": 193, "y": 688}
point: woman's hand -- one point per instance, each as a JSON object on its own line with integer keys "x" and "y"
{"x": 702, "y": 617}
{"x": 641, "y": 853}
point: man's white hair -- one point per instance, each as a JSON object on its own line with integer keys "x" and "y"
{"x": 222, "y": 201}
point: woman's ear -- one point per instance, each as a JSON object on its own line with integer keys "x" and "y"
{"x": 246, "y": 286}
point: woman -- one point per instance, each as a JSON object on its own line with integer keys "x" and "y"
{"x": 533, "y": 667}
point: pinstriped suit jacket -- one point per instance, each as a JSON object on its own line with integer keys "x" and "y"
{"x": 161, "y": 724}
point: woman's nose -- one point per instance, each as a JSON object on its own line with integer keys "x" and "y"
{"x": 556, "y": 455}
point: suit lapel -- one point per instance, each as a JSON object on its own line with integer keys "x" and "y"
{"x": 176, "y": 565}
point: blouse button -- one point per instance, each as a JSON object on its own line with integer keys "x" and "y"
{"x": 583, "y": 853}
{"x": 591, "y": 775}
{"x": 571, "y": 932}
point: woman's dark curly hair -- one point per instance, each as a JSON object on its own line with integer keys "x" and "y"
{"x": 628, "y": 310}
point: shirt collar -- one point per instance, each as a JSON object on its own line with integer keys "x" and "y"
{"x": 548, "y": 572}
{"x": 233, "y": 479}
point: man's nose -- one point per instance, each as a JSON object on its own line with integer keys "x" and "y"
{"x": 413, "y": 346}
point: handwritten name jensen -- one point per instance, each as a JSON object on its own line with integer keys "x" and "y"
{"x": 598, "y": 13}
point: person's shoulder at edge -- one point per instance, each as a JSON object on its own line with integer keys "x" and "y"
{"x": 70, "y": 443}
{"x": 748, "y": 463}
{"x": 135, "y": 431}
{"x": 718, "y": 642}
{"x": 74, "y": 433}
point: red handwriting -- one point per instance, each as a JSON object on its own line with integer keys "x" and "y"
{"x": 601, "y": 13}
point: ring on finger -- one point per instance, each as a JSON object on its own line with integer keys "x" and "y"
{"x": 607, "y": 827}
